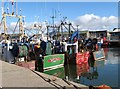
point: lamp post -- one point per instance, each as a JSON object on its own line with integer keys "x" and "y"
{"x": 47, "y": 29}
{"x": 78, "y": 30}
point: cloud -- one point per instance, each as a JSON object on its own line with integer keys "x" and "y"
{"x": 13, "y": 28}
{"x": 10, "y": 28}
{"x": 28, "y": 27}
{"x": 94, "y": 22}
{"x": 40, "y": 27}
{"x": 87, "y": 22}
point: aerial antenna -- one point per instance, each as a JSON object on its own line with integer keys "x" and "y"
{"x": 45, "y": 11}
{"x": 2, "y": 7}
{"x": 55, "y": 14}
{"x": 16, "y": 8}
{"x": 59, "y": 9}
{"x": 23, "y": 20}
{"x": 53, "y": 19}
{"x": 8, "y": 7}
{"x": 20, "y": 12}
{"x": 59, "y": 17}
{"x": 12, "y": 7}
{"x": 7, "y": 10}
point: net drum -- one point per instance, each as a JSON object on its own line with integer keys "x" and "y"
{"x": 23, "y": 51}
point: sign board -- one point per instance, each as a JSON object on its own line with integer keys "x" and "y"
{"x": 82, "y": 57}
{"x": 99, "y": 54}
{"x": 53, "y": 61}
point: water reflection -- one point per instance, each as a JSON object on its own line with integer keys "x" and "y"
{"x": 106, "y": 51}
{"x": 102, "y": 71}
{"x": 95, "y": 72}
{"x": 89, "y": 70}
{"x": 59, "y": 72}
{"x": 113, "y": 56}
{"x": 75, "y": 72}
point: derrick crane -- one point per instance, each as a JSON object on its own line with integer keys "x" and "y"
{"x": 12, "y": 14}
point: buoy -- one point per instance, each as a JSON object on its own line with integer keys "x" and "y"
{"x": 104, "y": 87}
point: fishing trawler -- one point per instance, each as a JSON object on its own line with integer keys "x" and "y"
{"x": 20, "y": 50}
{"x": 30, "y": 55}
{"x": 25, "y": 52}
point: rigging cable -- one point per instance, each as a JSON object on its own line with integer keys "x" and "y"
{"x": 1, "y": 22}
{"x": 73, "y": 28}
{"x": 16, "y": 26}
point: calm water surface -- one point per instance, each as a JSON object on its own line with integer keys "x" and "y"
{"x": 95, "y": 73}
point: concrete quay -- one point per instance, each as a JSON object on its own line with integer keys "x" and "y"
{"x": 16, "y": 77}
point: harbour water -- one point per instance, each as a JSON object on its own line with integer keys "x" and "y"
{"x": 96, "y": 73}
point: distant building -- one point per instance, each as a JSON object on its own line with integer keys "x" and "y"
{"x": 114, "y": 36}
{"x": 116, "y": 30}
{"x": 98, "y": 33}
{"x": 90, "y": 34}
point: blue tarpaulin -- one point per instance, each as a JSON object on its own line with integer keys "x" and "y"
{"x": 75, "y": 34}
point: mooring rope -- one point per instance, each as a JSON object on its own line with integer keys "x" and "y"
{"x": 49, "y": 80}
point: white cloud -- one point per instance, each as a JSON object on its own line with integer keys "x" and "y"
{"x": 94, "y": 22}
{"x": 41, "y": 27}
{"x": 13, "y": 28}
{"x": 29, "y": 27}
{"x": 87, "y": 21}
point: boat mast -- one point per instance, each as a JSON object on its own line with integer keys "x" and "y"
{"x": 4, "y": 19}
{"x": 53, "y": 19}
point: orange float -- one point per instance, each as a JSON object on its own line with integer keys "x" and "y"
{"x": 103, "y": 87}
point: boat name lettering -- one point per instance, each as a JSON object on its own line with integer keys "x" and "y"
{"x": 54, "y": 59}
